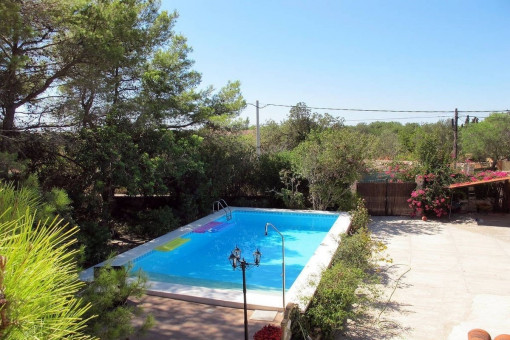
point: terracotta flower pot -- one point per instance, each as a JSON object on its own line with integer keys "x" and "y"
{"x": 478, "y": 334}
{"x": 424, "y": 218}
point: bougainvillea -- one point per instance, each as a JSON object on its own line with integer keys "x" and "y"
{"x": 426, "y": 202}
{"x": 487, "y": 175}
{"x": 401, "y": 172}
{"x": 433, "y": 198}
{"x": 268, "y": 332}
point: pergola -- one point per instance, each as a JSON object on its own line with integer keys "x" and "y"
{"x": 505, "y": 179}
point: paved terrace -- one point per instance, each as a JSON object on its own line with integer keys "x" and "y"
{"x": 458, "y": 278}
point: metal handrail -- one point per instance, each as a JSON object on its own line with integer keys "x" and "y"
{"x": 222, "y": 205}
{"x": 283, "y": 261}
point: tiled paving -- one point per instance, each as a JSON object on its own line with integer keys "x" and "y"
{"x": 183, "y": 320}
{"x": 458, "y": 276}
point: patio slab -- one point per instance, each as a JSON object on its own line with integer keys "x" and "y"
{"x": 183, "y": 320}
{"x": 454, "y": 276}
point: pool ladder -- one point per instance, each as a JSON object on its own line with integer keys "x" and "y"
{"x": 222, "y": 205}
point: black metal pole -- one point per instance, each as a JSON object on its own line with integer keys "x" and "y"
{"x": 243, "y": 267}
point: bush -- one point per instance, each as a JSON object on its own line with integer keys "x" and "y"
{"x": 95, "y": 238}
{"x": 359, "y": 217}
{"x": 155, "y": 222}
{"x": 108, "y": 294}
{"x": 39, "y": 281}
{"x": 433, "y": 198}
{"x": 347, "y": 288}
{"x": 334, "y": 299}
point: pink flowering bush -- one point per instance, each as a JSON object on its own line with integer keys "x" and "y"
{"x": 426, "y": 202}
{"x": 432, "y": 199}
{"x": 401, "y": 172}
{"x": 487, "y": 175}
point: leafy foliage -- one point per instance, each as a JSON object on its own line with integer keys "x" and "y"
{"x": 347, "y": 288}
{"x": 291, "y": 196}
{"x": 46, "y": 205}
{"x": 359, "y": 217}
{"x": 434, "y": 146}
{"x": 488, "y": 138}
{"x": 331, "y": 161}
{"x": 434, "y": 196}
{"x": 300, "y": 123}
{"x": 156, "y": 222}
{"x": 108, "y": 296}
{"x": 94, "y": 237}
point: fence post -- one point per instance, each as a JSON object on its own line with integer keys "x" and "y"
{"x": 386, "y": 199}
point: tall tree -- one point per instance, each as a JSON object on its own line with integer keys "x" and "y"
{"x": 433, "y": 146}
{"x": 300, "y": 122}
{"x": 100, "y": 62}
{"x": 331, "y": 161}
{"x": 489, "y": 138}
{"x": 38, "y": 48}
{"x": 123, "y": 35}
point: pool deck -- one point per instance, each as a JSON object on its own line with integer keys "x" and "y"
{"x": 184, "y": 320}
{"x": 300, "y": 292}
{"x": 454, "y": 277}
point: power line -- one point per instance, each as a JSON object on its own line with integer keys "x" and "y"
{"x": 382, "y": 110}
{"x": 394, "y": 118}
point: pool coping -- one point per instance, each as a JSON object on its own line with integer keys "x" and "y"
{"x": 300, "y": 293}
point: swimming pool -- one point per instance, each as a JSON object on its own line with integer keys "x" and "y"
{"x": 192, "y": 261}
{"x": 200, "y": 258}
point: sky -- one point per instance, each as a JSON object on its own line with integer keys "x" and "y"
{"x": 429, "y": 55}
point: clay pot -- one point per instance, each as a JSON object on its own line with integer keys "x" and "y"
{"x": 478, "y": 334}
{"x": 424, "y": 218}
{"x": 502, "y": 337}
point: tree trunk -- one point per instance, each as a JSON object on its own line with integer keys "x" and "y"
{"x": 8, "y": 129}
{"x": 8, "y": 123}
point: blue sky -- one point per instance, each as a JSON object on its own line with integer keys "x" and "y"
{"x": 387, "y": 54}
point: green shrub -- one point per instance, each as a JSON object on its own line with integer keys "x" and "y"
{"x": 359, "y": 217}
{"x": 108, "y": 294}
{"x": 94, "y": 237}
{"x": 334, "y": 299}
{"x": 356, "y": 250}
{"x": 290, "y": 195}
{"x": 347, "y": 288}
{"x": 155, "y": 222}
{"x": 292, "y": 199}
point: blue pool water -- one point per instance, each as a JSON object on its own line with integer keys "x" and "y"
{"x": 203, "y": 259}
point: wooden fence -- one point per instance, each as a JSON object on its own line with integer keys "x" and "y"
{"x": 386, "y": 199}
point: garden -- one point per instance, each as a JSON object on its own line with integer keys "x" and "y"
{"x": 103, "y": 103}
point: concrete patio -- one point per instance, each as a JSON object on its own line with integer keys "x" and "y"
{"x": 454, "y": 276}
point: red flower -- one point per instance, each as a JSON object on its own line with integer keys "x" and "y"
{"x": 268, "y": 332}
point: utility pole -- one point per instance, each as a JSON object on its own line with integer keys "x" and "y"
{"x": 258, "y": 129}
{"x": 455, "y": 125}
